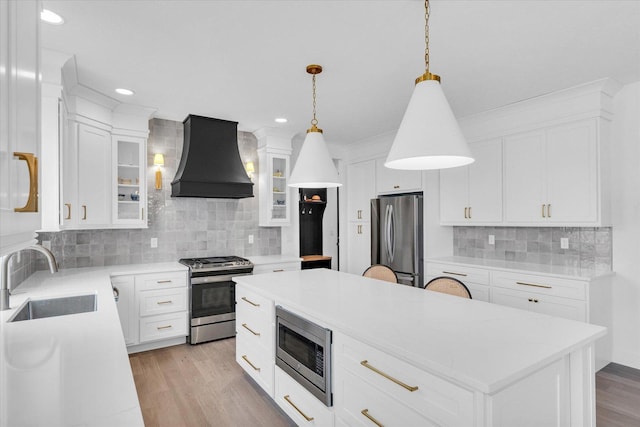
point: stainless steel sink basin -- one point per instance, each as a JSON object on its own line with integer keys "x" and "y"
{"x": 37, "y": 309}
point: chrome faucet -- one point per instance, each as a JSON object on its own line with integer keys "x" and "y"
{"x": 4, "y": 282}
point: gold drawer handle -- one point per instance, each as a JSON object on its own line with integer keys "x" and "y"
{"x": 396, "y": 186}
{"x": 278, "y": 270}
{"x": 84, "y": 211}
{"x": 534, "y": 285}
{"x": 543, "y": 215}
{"x": 549, "y": 210}
{"x": 164, "y": 327}
{"x": 306, "y": 417}
{"x": 365, "y": 363}
{"x": 68, "y": 205}
{"x": 163, "y": 281}
{"x": 365, "y": 412}
{"x": 454, "y": 273}
{"x": 164, "y": 302}
{"x": 32, "y": 165}
{"x": 533, "y": 300}
{"x": 244, "y": 325}
{"x": 465, "y": 213}
{"x": 251, "y": 302}
{"x": 251, "y": 364}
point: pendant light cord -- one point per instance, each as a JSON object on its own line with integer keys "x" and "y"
{"x": 426, "y": 35}
{"x": 314, "y": 121}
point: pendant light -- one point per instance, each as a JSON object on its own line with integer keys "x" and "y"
{"x": 429, "y": 136}
{"x": 314, "y": 167}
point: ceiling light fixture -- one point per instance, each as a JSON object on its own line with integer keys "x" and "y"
{"x": 280, "y": 120}
{"x": 51, "y": 17}
{"x": 123, "y": 91}
{"x": 429, "y": 136}
{"x": 314, "y": 167}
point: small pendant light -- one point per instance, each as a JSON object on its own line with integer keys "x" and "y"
{"x": 314, "y": 167}
{"x": 429, "y": 136}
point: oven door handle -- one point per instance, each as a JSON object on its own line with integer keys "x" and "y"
{"x": 214, "y": 279}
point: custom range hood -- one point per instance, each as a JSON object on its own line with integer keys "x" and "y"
{"x": 210, "y": 165}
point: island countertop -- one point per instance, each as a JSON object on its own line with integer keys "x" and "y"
{"x": 478, "y": 345}
{"x": 69, "y": 370}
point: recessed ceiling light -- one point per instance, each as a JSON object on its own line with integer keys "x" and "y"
{"x": 281, "y": 120}
{"x": 123, "y": 91}
{"x": 51, "y": 17}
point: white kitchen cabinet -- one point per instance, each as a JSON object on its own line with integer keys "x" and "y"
{"x": 393, "y": 181}
{"x": 552, "y": 176}
{"x": 473, "y": 194}
{"x": 276, "y": 267}
{"x": 129, "y": 192}
{"x": 274, "y": 193}
{"x": 124, "y": 289}
{"x": 475, "y": 279}
{"x": 300, "y": 405}
{"x": 361, "y": 189}
{"x": 20, "y": 123}
{"x": 86, "y": 177}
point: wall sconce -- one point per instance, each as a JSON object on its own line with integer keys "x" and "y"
{"x": 250, "y": 169}
{"x": 158, "y": 160}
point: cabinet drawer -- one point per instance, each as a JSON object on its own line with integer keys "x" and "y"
{"x": 256, "y": 331}
{"x": 543, "y": 285}
{"x": 275, "y": 268}
{"x": 162, "y": 301}
{"x": 566, "y": 308}
{"x": 301, "y": 406}
{"x": 461, "y": 272}
{"x": 253, "y": 307}
{"x": 363, "y": 405}
{"x": 256, "y": 362}
{"x": 163, "y": 326}
{"x": 435, "y": 398}
{"x": 145, "y": 282}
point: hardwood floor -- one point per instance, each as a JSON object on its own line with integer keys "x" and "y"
{"x": 203, "y": 385}
{"x": 200, "y": 385}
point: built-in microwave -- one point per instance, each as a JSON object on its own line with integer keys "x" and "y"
{"x": 303, "y": 350}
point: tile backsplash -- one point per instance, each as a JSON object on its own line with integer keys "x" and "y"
{"x": 185, "y": 227}
{"x": 589, "y": 248}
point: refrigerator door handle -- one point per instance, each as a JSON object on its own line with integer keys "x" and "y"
{"x": 392, "y": 236}
{"x": 386, "y": 233}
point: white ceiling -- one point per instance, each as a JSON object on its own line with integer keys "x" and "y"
{"x": 245, "y": 60}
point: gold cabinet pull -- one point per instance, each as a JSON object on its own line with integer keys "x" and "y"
{"x": 465, "y": 213}
{"x": 359, "y": 214}
{"x": 164, "y": 327}
{"x": 250, "y": 302}
{"x": 32, "y": 165}
{"x": 454, "y": 273}
{"x": 549, "y": 210}
{"x": 534, "y": 285}
{"x": 163, "y": 281}
{"x": 365, "y": 412}
{"x": 469, "y": 212}
{"x": 533, "y": 300}
{"x": 278, "y": 270}
{"x": 396, "y": 186}
{"x": 543, "y": 215}
{"x": 251, "y": 364}
{"x": 164, "y": 302}
{"x": 365, "y": 363}
{"x": 68, "y": 205}
{"x": 244, "y": 325}
{"x": 306, "y": 417}
{"x": 84, "y": 211}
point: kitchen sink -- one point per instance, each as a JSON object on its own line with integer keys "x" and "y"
{"x": 62, "y": 306}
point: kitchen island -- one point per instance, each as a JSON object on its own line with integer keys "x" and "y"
{"x": 72, "y": 369}
{"x": 464, "y": 362}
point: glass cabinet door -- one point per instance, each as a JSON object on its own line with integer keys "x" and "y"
{"x": 129, "y": 206}
{"x": 279, "y": 173}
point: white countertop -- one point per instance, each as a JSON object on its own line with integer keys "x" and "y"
{"x": 476, "y": 344}
{"x": 569, "y": 272}
{"x": 273, "y": 259}
{"x": 69, "y": 370}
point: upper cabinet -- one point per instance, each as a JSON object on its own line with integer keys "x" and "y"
{"x": 128, "y": 196}
{"x": 275, "y": 196}
{"x": 361, "y": 179}
{"x": 19, "y": 124}
{"x": 554, "y": 169}
{"x": 390, "y": 181}
{"x": 473, "y": 194}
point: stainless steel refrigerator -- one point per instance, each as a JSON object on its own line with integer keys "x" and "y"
{"x": 397, "y": 236}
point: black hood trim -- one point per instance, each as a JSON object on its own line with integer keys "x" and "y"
{"x": 211, "y": 166}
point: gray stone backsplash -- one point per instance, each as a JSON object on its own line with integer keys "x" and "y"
{"x": 185, "y": 227}
{"x": 589, "y": 248}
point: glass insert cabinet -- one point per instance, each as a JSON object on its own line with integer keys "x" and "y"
{"x": 275, "y": 195}
{"x": 129, "y": 190}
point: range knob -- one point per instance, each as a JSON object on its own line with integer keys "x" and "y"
{"x": 197, "y": 265}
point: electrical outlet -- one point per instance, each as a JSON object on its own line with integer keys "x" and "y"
{"x": 492, "y": 239}
{"x": 564, "y": 243}
{"x": 46, "y": 244}
{"x": 154, "y": 242}
{"x": 251, "y": 239}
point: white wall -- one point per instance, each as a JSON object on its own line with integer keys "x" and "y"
{"x": 626, "y": 225}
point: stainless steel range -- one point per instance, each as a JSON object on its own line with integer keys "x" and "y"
{"x": 213, "y": 296}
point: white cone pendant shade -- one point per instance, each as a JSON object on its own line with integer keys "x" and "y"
{"x": 314, "y": 167}
{"x": 429, "y": 136}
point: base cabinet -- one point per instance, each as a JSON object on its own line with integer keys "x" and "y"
{"x": 300, "y": 405}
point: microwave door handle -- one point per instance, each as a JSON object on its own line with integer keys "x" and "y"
{"x": 392, "y": 224}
